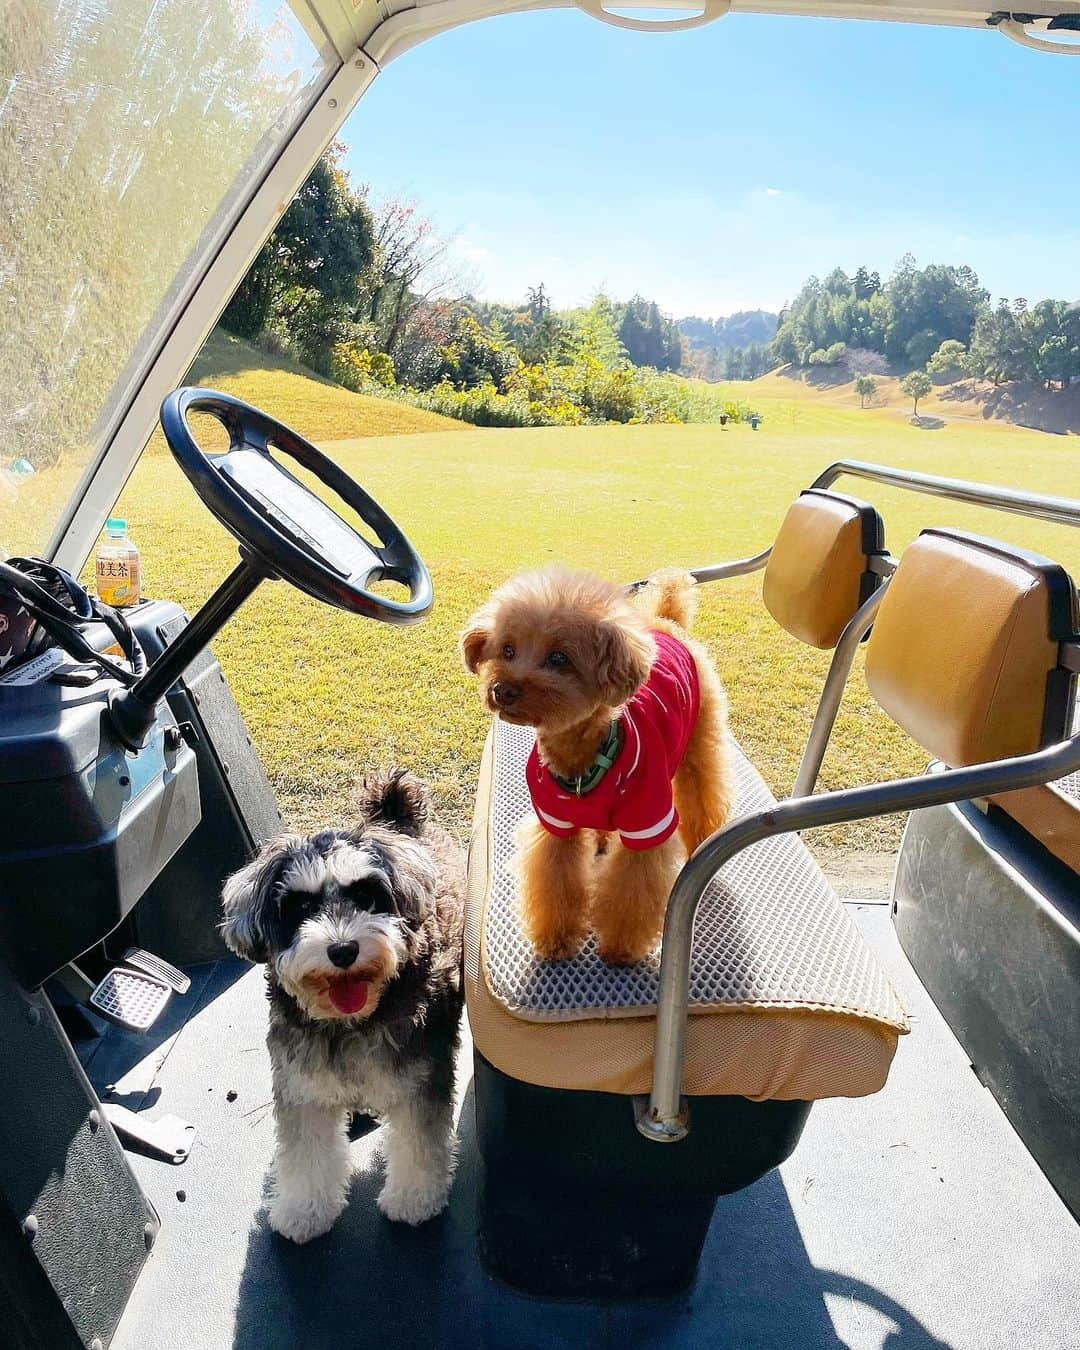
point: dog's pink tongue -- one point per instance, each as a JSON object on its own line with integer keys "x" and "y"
{"x": 349, "y": 996}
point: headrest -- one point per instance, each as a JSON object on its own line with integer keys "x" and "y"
{"x": 818, "y": 572}
{"x": 964, "y": 653}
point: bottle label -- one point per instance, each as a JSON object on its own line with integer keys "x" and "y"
{"x": 118, "y": 580}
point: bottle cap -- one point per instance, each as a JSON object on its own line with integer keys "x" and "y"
{"x": 116, "y": 523}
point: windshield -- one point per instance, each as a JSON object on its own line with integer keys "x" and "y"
{"x": 128, "y": 131}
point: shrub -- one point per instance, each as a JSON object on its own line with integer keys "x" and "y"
{"x": 828, "y": 356}
{"x": 948, "y": 362}
{"x": 358, "y": 369}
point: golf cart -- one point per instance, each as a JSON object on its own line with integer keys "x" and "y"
{"x": 604, "y": 1110}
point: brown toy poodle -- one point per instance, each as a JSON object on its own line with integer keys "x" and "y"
{"x": 630, "y": 769}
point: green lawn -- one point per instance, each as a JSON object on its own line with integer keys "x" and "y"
{"x": 328, "y": 695}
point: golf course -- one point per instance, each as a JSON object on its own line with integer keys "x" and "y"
{"x": 327, "y": 695}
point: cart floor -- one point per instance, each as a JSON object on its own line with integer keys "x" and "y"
{"x": 913, "y": 1218}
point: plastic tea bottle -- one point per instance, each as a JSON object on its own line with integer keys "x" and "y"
{"x": 118, "y": 566}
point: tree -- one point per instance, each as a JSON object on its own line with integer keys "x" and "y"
{"x": 650, "y": 338}
{"x": 928, "y": 306}
{"x": 597, "y": 339}
{"x": 475, "y": 356}
{"x": 1051, "y": 330}
{"x": 917, "y": 385}
{"x": 866, "y": 284}
{"x": 949, "y": 361}
{"x": 536, "y": 331}
{"x": 408, "y": 293}
{"x": 865, "y": 387}
{"x": 307, "y": 275}
{"x": 999, "y": 349}
{"x": 862, "y": 361}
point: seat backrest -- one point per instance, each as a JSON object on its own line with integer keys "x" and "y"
{"x": 820, "y": 569}
{"x": 965, "y": 650}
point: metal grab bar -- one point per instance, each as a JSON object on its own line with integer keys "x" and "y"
{"x": 843, "y": 659}
{"x": 667, "y": 1118}
{"x": 1061, "y": 510}
{"x": 739, "y": 568}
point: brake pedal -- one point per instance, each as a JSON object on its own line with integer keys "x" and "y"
{"x": 150, "y": 964}
{"x": 130, "y": 998}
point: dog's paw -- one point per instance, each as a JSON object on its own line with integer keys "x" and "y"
{"x": 413, "y": 1204}
{"x": 301, "y": 1219}
{"x": 558, "y": 946}
{"x": 622, "y": 954}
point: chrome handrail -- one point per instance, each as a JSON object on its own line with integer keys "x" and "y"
{"x": 667, "y": 1118}
{"x": 843, "y": 659}
{"x": 1061, "y": 510}
{"x": 739, "y": 568}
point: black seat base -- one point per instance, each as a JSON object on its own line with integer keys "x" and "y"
{"x": 574, "y": 1203}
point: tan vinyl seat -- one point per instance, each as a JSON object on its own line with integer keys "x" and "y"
{"x": 1050, "y": 814}
{"x": 820, "y": 569}
{"x": 965, "y": 656}
{"x": 787, "y": 1000}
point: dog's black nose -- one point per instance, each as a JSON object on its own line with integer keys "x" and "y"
{"x": 505, "y": 693}
{"x": 343, "y": 954}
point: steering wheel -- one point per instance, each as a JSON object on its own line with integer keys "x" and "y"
{"x": 287, "y": 529}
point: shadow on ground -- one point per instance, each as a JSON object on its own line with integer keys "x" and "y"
{"x": 1024, "y": 403}
{"x": 370, "y": 1280}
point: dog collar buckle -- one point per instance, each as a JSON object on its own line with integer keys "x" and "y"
{"x": 605, "y": 758}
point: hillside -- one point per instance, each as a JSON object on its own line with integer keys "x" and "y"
{"x": 1021, "y": 403}
{"x": 316, "y": 407}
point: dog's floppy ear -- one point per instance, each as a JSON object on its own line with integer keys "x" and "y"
{"x": 413, "y": 879}
{"x": 474, "y": 639}
{"x": 247, "y": 895}
{"x": 622, "y": 658}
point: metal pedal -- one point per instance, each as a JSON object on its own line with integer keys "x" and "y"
{"x": 130, "y": 998}
{"x": 160, "y": 969}
{"x": 168, "y": 1137}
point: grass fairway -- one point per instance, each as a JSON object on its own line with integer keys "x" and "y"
{"x": 328, "y": 695}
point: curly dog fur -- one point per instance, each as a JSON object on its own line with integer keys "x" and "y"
{"x": 603, "y": 639}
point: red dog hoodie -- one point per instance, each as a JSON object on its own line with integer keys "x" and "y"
{"x": 634, "y": 795}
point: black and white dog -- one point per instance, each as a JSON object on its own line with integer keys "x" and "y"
{"x": 360, "y": 931}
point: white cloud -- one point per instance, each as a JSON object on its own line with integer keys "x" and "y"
{"x": 471, "y": 252}
{"x": 773, "y": 192}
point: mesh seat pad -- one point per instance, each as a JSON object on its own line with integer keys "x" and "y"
{"x": 778, "y": 1048}
{"x": 770, "y": 932}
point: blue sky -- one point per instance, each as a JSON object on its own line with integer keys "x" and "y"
{"x": 714, "y": 170}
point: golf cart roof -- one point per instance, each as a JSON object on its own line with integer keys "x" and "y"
{"x": 145, "y": 157}
{"x": 385, "y": 30}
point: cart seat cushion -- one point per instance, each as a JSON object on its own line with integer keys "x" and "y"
{"x": 1050, "y": 814}
{"x": 818, "y": 573}
{"x": 787, "y": 1000}
{"x": 964, "y": 651}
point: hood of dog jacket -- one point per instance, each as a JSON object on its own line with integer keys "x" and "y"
{"x": 634, "y": 797}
